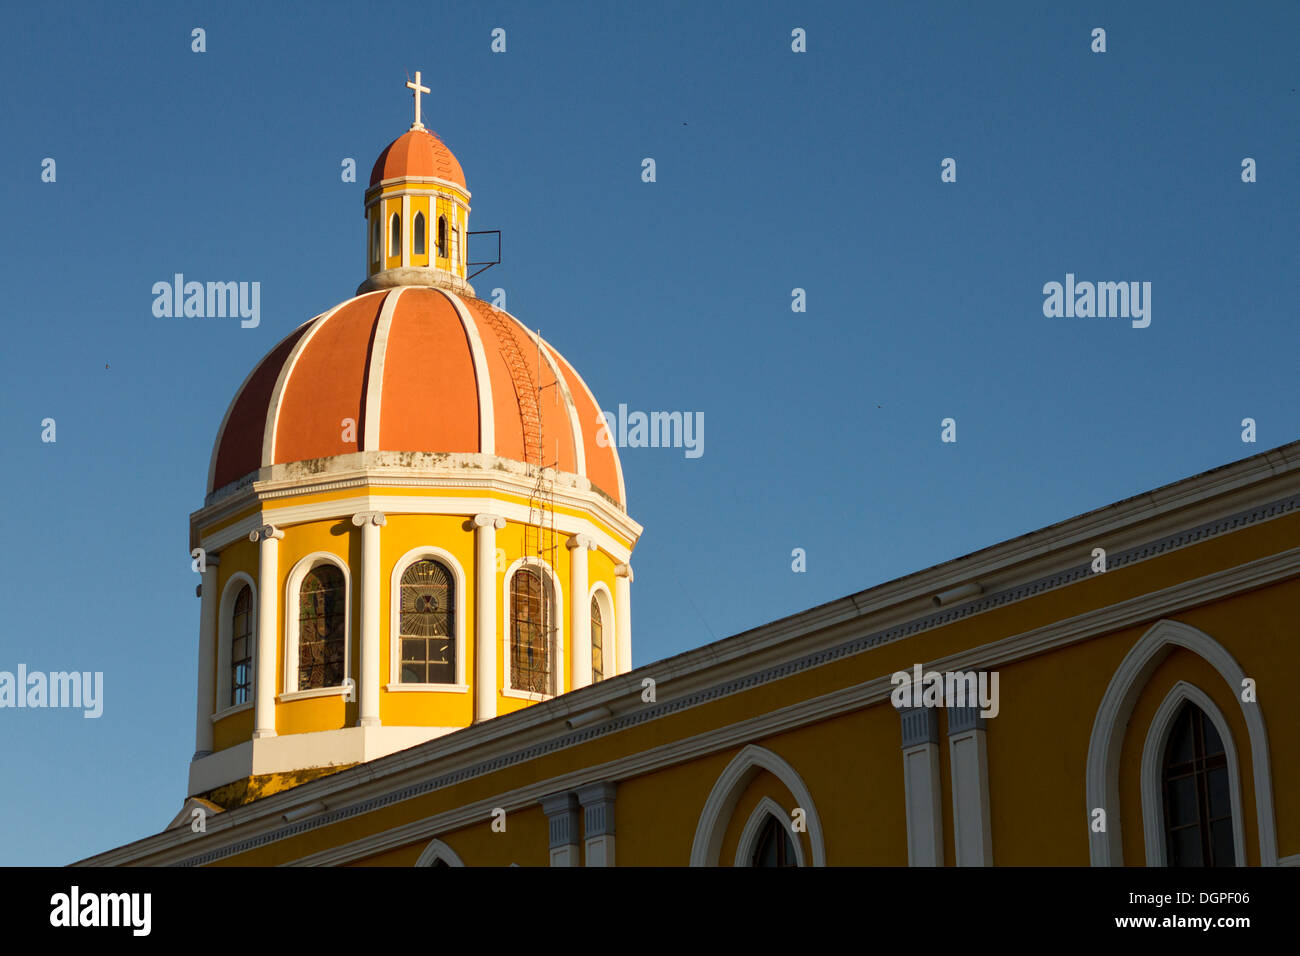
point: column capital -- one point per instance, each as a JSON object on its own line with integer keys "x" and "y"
{"x": 920, "y": 726}
{"x": 268, "y": 532}
{"x": 583, "y": 541}
{"x": 623, "y": 571}
{"x": 597, "y": 802}
{"x": 561, "y": 810}
{"x": 209, "y": 560}
{"x": 487, "y": 520}
{"x": 376, "y": 518}
{"x": 963, "y": 719}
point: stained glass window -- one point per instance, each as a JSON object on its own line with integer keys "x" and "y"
{"x": 1197, "y": 801}
{"x": 321, "y": 628}
{"x": 241, "y": 647}
{"x": 532, "y": 632}
{"x": 427, "y": 624}
{"x": 773, "y": 846}
{"x": 597, "y": 643}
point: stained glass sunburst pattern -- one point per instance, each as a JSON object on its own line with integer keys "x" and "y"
{"x": 426, "y": 624}
{"x": 321, "y": 631}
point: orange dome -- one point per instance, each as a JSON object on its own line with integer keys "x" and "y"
{"x": 417, "y": 154}
{"x": 418, "y": 370}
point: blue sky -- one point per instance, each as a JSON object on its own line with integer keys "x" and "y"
{"x": 775, "y": 170}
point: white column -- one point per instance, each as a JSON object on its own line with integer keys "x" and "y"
{"x": 207, "y": 658}
{"x": 921, "y": 786}
{"x": 368, "y": 698}
{"x": 623, "y": 616}
{"x": 580, "y": 608}
{"x": 597, "y": 803}
{"x": 485, "y": 615}
{"x": 562, "y": 818}
{"x": 968, "y": 758}
{"x": 268, "y": 588}
{"x": 406, "y": 229}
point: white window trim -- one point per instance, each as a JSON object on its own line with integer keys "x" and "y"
{"x": 437, "y": 850}
{"x": 600, "y": 594}
{"x": 225, "y": 634}
{"x": 292, "y": 584}
{"x": 394, "y": 249}
{"x": 448, "y": 561}
{"x": 749, "y": 835}
{"x": 1101, "y": 787}
{"x": 508, "y": 577}
{"x": 1153, "y": 751}
{"x": 726, "y": 793}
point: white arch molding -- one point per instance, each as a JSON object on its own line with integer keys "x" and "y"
{"x": 436, "y": 852}
{"x": 726, "y": 793}
{"x": 605, "y": 601}
{"x": 1106, "y": 742}
{"x": 292, "y": 585}
{"x": 767, "y": 807}
{"x": 1153, "y": 750}
{"x": 225, "y": 634}
{"x": 558, "y": 649}
{"x": 447, "y": 560}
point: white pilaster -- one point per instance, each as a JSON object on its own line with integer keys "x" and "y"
{"x": 623, "y": 617}
{"x": 368, "y": 699}
{"x": 268, "y": 587}
{"x": 485, "y": 615}
{"x": 207, "y": 658}
{"x": 968, "y": 758}
{"x": 921, "y": 786}
{"x": 597, "y": 803}
{"x": 406, "y": 231}
{"x": 562, "y": 818}
{"x": 580, "y": 608}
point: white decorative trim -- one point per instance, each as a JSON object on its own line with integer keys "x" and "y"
{"x": 559, "y": 658}
{"x": 968, "y": 763}
{"x": 1153, "y": 750}
{"x": 599, "y": 592}
{"x": 482, "y": 377}
{"x": 225, "y": 635}
{"x": 459, "y": 639}
{"x": 575, "y": 427}
{"x": 1292, "y": 860}
{"x": 427, "y": 688}
{"x": 375, "y": 374}
{"x": 406, "y": 240}
{"x": 722, "y": 800}
{"x": 292, "y": 584}
{"x": 436, "y": 852}
{"x": 766, "y": 807}
{"x": 613, "y": 446}
{"x": 238, "y": 708}
{"x": 1106, "y": 742}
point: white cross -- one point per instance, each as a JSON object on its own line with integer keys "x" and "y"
{"x": 418, "y": 90}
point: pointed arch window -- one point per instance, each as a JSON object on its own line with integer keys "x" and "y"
{"x": 1197, "y": 793}
{"x": 773, "y": 846}
{"x": 395, "y": 235}
{"x": 418, "y": 234}
{"x": 427, "y": 624}
{"x": 532, "y": 632}
{"x": 442, "y": 237}
{"x": 375, "y": 239}
{"x": 322, "y": 615}
{"x": 241, "y": 647}
{"x": 597, "y": 643}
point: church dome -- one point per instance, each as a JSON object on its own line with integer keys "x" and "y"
{"x": 417, "y": 154}
{"x": 415, "y": 369}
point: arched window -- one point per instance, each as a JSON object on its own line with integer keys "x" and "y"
{"x": 395, "y": 236}
{"x": 442, "y": 237}
{"x": 773, "y": 846}
{"x": 1197, "y": 795}
{"x": 419, "y": 234}
{"x": 375, "y": 247}
{"x": 241, "y": 647}
{"x": 532, "y": 632}
{"x": 322, "y": 609}
{"x": 427, "y": 624}
{"x": 597, "y": 643}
